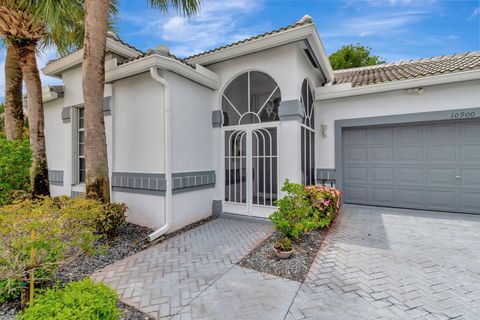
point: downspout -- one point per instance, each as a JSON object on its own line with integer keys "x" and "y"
{"x": 167, "y": 154}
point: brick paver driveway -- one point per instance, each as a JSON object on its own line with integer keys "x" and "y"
{"x": 376, "y": 263}
{"x": 381, "y": 263}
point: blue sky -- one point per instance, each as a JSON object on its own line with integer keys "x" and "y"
{"x": 394, "y": 29}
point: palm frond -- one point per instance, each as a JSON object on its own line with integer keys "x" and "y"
{"x": 185, "y": 7}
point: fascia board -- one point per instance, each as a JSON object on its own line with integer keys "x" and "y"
{"x": 144, "y": 64}
{"x": 332, "y": 92}
{"x": 55, "y": 68}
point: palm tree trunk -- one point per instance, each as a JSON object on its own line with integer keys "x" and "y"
{"x": 96, "y": 26}
{"x": 39, "y": 169}
{"x": 13, "y": 95}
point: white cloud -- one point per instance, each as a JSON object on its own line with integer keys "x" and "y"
{"x": 217, "y": 23}
{"x": 475, "y": 14}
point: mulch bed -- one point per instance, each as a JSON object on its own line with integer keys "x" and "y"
{"x": 263, "y": 258}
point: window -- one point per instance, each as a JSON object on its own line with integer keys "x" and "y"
{"x": 308, "y": 136}
{"x": 81, "y": 144}
{"x": 252, "y": 97}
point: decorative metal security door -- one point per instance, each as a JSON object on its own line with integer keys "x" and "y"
{"x": 251, "y": 170}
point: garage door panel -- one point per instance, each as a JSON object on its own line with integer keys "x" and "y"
{"x": 441, "y": 154}
{"x": 410, "y": 176}
{"x": 470, "y": 152}
{"x": 470, "y": 178}
{"x": 406, "y": 134}
{"x": 470, "y": 202}
{"x": 381, "y": 153}
{"x": 441, "y": 200}
{"x": 356, "y": 194}
{"x": 381, "y": 196}
{"x": 379, "y": 175}
{"x": 355, "y": 137}
{"x": 354, "y": 153}
{"x": 470, "y": 131}
{"x": 356, "y": 175}
{"x": 380, "y": 135}
{"x": 414, "y": 198}
{"x": 409, "y": 154}
{"x": 432, "y": 166}
{"x": 441, "y": 132}
{"x": 441, "y": 177}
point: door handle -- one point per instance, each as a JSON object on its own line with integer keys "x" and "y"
{"x": 458, "y": 177}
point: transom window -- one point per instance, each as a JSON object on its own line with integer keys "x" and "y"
{"x": 252, "y": 97}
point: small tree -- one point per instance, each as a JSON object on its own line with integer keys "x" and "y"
{"x": 38, "y": 236}
{"x": 353, "y": 56}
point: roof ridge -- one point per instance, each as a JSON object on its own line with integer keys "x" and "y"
{"x": 410, "y": 61}
{"x": 305, "y": 20}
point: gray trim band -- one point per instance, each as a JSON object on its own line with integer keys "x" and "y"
{"x": 66, "y": 116}
{"x": 217, "y": 118}
{"x": 409, "y": 118}
{"x": 55, "y": 177}
{"x": 155, "y": 183}
{"x": 290, "y": 110}
{"x": 106, "y": 106}
{"x": 77, "y": 194}
{"x": 217, "y": 207}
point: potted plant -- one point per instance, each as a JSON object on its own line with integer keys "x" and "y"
{"x": 283, "y": 248}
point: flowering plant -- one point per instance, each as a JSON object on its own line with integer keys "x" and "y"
{"x": 324, "y": 199}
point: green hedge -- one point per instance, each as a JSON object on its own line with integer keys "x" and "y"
{"x": 85, "y": 300}
{"x": 15, "y": 160}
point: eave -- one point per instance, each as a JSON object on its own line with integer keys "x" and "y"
{"x": 346, "y": 90}
{"x": 199, "y": 75}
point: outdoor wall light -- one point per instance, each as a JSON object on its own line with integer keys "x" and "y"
{"x": 323, "y": 129}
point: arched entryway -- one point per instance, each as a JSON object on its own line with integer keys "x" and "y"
{"x": 250, "y": 147}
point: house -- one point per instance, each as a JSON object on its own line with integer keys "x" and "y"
{"x": 221, "y": 130}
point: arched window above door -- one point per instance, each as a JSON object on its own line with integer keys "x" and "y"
{"x": 307, "y": 102}
{"x": 252, "y": 97}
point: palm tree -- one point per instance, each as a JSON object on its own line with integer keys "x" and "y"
{"x": 14, "y": 119}
{"x": 93, "y": 68}
{"x": 24, "y": 25}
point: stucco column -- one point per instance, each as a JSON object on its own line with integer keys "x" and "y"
{"x": 217, "y": 121}
{"x": 291, "y": 115}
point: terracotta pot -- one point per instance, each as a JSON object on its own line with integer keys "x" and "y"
{"x": 283, "y": 254}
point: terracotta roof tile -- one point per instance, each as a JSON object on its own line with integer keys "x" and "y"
{"x": 411, "y": 69}
{"x": 302, "y": 22}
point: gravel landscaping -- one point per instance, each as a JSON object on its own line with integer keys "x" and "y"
{"x": 263, "y": 258}
{"x": 131, "y": 239}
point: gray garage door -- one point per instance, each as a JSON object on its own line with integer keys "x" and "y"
{"x": 433, "y": 166}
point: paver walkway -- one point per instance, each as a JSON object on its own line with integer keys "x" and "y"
{"x": 376, "y": 263}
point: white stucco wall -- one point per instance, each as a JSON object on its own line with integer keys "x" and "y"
{"x": 190, "y": 207}
{"x": 442, "y": 97}
{"x": 55, "y": 141}
{"x": 137, "y": 117}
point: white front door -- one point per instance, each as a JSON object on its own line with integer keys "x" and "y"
{"x": 251, "y": 169}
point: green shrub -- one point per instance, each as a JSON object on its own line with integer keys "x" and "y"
{"x": 83, "y": 299}
{"x": 326, "y": 203}
{"x": 305, "y": 208}
{"x": 112, "y": 219}
{"x": 295, "y": 214}
{"x": 15, "y": 160}
{"x": 9, "y": 290}
{"x": 283, "y": 244}
{"x": 39, "y": 235}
